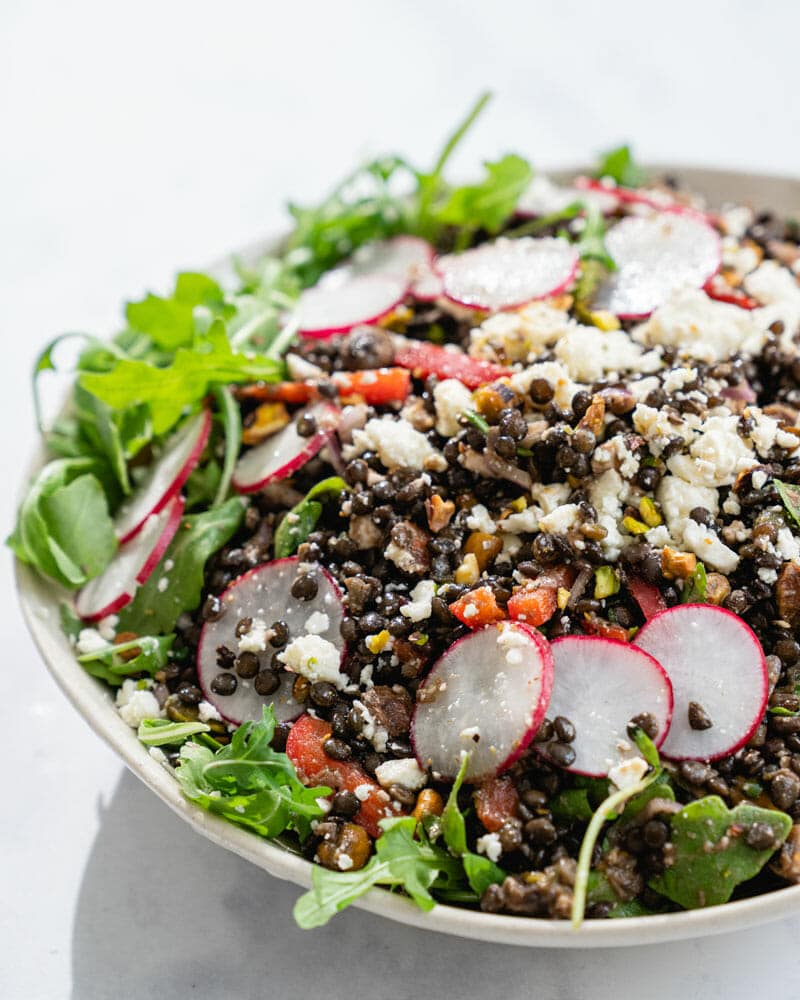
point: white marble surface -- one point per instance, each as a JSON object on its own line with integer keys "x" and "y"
{"x": 142, "y": 137}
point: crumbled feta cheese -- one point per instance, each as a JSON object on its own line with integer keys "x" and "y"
{"x": 716, "y": 455}
{"x": 362, "y": 792}
{"x": 658, "y": 537}
{"x": 588, "y": 353}
{"x": 470, "y": 610}
{"x": 758, "y": 478}
{"x": 626, "y": 773}
{"x": 254, "y": 640}
{"x": 787, "y": 546}
{"x": 521, "y": 335}
{"x": 398, "y": 444}
{"x": 606, "y": 494}
{"x": 736, "y": 219}
{"x": 701, "y": 328}
{"x": 90, "y": 641}
{"x": 451, "y": 398}
{"x": 489, "y": 844}
{"x": 207, "y": 712}
{"x": 739, "y": 257}
{"x": 561, "y": 519}
{"x": 550, "y": 496}
{"x": 419, "y": 607}
{"x": 136, "y": 704}
{"x": 406, "y": 773}
{"x": 371, "y": 729}
{"x": 480, "y": 520}
{"x": 768, "y": 433}
{"x": 317, "y": 623}
{"x": 678, "y": 378}
{"x": 767, "y": 575}
{"x": 403, "y": 558}
{"x": 107, "y": 627}
{"x": 708, "y": 548}
{"x": 777, "y": 288}
{"x": 525, "y": 521}
{"x": 315, "y": 658}
{"x": 557, "y": 375}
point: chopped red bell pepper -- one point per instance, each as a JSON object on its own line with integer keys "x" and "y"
{"x": 477, "y": 608}
{"x": 496, "y": 801}
{"x": 375, "y": 386}
{"x": 532, "y": 605}
{"x": 717, "y": 288}
{"x": 305, "y": 749}
{"x": 429, "y": 359}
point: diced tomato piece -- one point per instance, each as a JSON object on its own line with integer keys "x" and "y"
{"x": 647, "y": 596}
{"x": 496, "y": 801}
{"x": 532, "y": 605}
{"x": 429, "y": 359}
{"x": 608, "y": 630}
{"x": 376, "y": 386}
{"x": 717, "y": 288}
{"x": 304, "y": 747}
{"x": 477, "y": 608}
{"x": 555, "y": 577}
{"x": 277, "y": 392}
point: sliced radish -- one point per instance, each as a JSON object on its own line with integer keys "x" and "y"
{"x": 649, "y": 197}
{"x": 132, "y": 565}
{"x": 543, "y": 197}
{"x": 508, "y": 273}
{"x": 337, "y": 306}
{"x": 427, "y": 287}
{"x": 283, "y": 453}
{"x": 654, "y": 256}
{"x": 404, "y": 256}
{"x": 715, "y": 660}
{"x": 600, "y": 685}
{"x": 166, "y": 476}
{"x": 264, "y": 594}
{"x": 487, "y": 694}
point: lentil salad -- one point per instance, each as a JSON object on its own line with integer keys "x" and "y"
{"x": 555, "y": 466}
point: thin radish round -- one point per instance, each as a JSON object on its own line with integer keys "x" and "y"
{"x": 283, "y": 453}
{"x": 132, "y": 565}
{"x": 487, "y": 694}
{"x": 404, "y": 256}
{"x": 543, "y": 197}
{"x": 600, "y": 685}
{"x": 166, "y": 476}
{"x": 508, "y": 273}
{"x": 655, "y": 255}
{"x": 337, "y": 306}
{"x": 714, "y": 660}
{"x": 647, "y": 197}
{"x": 264, "y": 595}
{"x": 427, "y": 287}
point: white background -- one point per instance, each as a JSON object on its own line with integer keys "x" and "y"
{"x": 141, "y": 137}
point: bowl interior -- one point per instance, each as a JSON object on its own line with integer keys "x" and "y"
{"x": 40, "y": 601}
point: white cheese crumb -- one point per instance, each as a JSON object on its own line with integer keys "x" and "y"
{"x": 560, "y": 520}
{"x": 317, "y": 623}
{"x": 90, "y": 641}
{"x": 405, "y": 772}
{"x": 371, "y": 729}
{"x": 107, "y": 627}
{"x": 451, "y": 398}
{"x": 489, "y": 844}
{"x": 255, "y": 639}
{"x": 315, "y": 658}
{"x": 708, "y": 548}
{"x": 136, "y": 704}
{"x": 398, "y": 444}
{"x": 480, "y": 520}
{"x": 420, "y": 606}
{"x": 362, "y": 792}
{"x": 206, "y": 712}
{"x": 626, "y": 773}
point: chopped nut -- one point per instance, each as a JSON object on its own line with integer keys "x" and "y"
{"x": 130, "y": 654}
{"x": 344, "y": 848}
{"x": 594, "y": 418}
{"x": 267, "y": 419}
{"x": 562, "y": 597}
{"x": 484, "y": 547}
{"x": 604, "y": 320}
{"x": 649, "y": 512}
{"x": 634, "y": 527}
{"x": 390, "y": 709}
{"x": 438, "y": 512}
{"x": 490, "y": 400}
{"x": 469, "y": 571}
{"x": 677, "y": 565}
{"x": 787, "y": 592}
{"x": 429, "y": 803}
{"x": 717, "y": 588}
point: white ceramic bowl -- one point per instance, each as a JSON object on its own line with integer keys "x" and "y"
{"x": 40, "y": 599}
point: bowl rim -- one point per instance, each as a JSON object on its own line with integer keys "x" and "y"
{"x": 39, "y": 601}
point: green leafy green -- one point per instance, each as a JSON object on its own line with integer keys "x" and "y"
{"x": 572, "y": 804}
{"x": 301, "y": 520}
{"x": 111, "y": 666}
{"x": 488, "y": 204}
{"x": 454, "y": 829}
{"x": 790, "y": 495}
{"x": 399, "y": 860}
{"x": 694, "y": 588}
{"x": 63, "y": 527}
{"x": 711, "y": 855}
{"x": 620, "y": 166}
{"x": 170, "y": 390}
{"x": 163, "y": 732}
{"x": 481, "y": 872}
{"x": 157, "y": 606}
{"x": 249, "y": 783}
{"x": 591, "y": 244}
{"x": 170, "y": 322}
{"x": 232, "y": 424}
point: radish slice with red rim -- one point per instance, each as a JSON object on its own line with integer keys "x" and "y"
{"x": 487, "y": 694}
{"x": 166, "y": 476}
{"x": 264, "y": 594}
{"x": 600, "y": 685}
{"x": 404, "y": 256}
{"x": 285, "y": 452}
{"x": 715, "y": 660}
{"x": 508, "y": 273}
{"x": 656, "y": 255}
{"x": 131, "y": 565}
{"x": 427, "y": 287}
{"x": 336, "y": 306}
{"x": 543, "y": 197}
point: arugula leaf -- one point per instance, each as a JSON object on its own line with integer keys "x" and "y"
{"x": 481, "y": 872}
{"x": 170, "y": 322}
{"x": 63, "y": 527}
{"x": 711, "y": 855}
{"x": 399, "y": 860}
{"x": 199, "y": 535}
{"x": 591, "y": 244}
{"x": 232, "y": 423}
{"x": 489, "y": 204}
{"x": 203, "y": 484}
{"x": 301, "y": 520}
{"x": 249, "y": 783}
{"x": 454, "y": 828}
{"x": 110, "y": 666}
{"x": 620, "y": 166}
{"x": 169, "y": 390}
{"x": 164, "y": 732}
{"x": 572, "y": 804}
{"x": 694, "y": 588}
{"x": 790, "y": 495}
